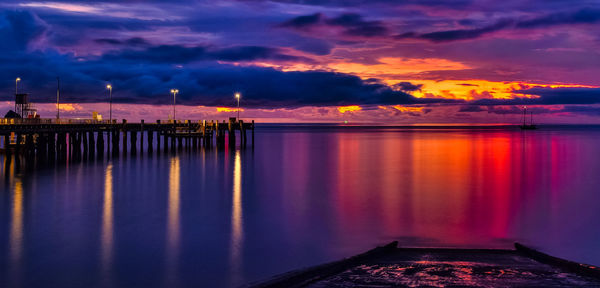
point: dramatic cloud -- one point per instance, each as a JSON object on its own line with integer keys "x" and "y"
{"x": 548, "y": 96}
{"x": 146, "y": 75}
{"x": 583, "y": 16}
{"x": 356, "y": 26}
{"x": 135, "y": 41}
{"x": 407, "y": 86}
{"x": 458, "y": 34}
{"x": 471, "y": 108}
{"x": 303, "y": 22}
{"x": 508, "y": 110}
{"x": 214, "y": 86}
{"x": 536, "y": 110}
{"x": 362, "y": 3}
{"x": 564, "y": 95}
{"x": 18, "y": 29}
{"x": 181, "y": 54}
{"x": 585, "y": 110}
{"x": 353, "y": 24}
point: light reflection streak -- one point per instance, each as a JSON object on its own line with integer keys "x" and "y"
{"x": 237, "y": 234}
{"x": 9, "y": 168}
{"x": 107, "y": 219}
{"x": 16, "y": 227}
{"x": 349, "y": 194}
{"x": 173, "y": 219}
{"x": 501, "y": 188}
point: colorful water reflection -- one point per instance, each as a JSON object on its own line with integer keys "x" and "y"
{"x": 300, "y": 197}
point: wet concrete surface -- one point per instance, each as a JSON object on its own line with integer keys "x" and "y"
{"x": 455, "y": 268}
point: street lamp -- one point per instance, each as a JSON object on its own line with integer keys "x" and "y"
{"x": 109, "y": 87}
{"x": 237, "y": 96}
{"x": 174, "y": 91}
{"x": 16, "y": 91}
{"x": 17, "y": 85}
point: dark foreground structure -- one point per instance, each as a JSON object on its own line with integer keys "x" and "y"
{"x": 389, "y": 266}
{"x": 76, "y": 138}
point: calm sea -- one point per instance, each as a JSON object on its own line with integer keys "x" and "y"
{"x": 301, "y": 196}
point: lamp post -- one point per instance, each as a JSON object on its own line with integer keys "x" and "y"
{"x": 174, "y": 91}
{"x": 109, "y": 87}
{"x": 237, "y": 96}
{"x": 16, "y": 91}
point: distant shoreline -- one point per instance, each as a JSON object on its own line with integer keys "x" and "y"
{"x": 421, "y": 126}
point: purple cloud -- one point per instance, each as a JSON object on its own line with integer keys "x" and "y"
{"x": 352, "y": 23}
{"x": 583, "y": 16}
{"x": 548, "y": 96}
{"x": 407, "y": 86}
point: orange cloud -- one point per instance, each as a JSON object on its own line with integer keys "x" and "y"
{"x": 228, "y": 109}
{"x": 386, "y": 67}
{"x": 389, "y": 66}
{"x": 392, "y": 70}
{"x": 474, "y": 89}
{"x": 351, "y": 108}
{"x": 69, "y": 107}
{"x": 408, "y": 109}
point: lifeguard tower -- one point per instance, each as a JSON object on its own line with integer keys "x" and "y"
{"x": 23, "y": 107}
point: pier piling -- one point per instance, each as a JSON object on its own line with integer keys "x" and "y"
{"x": 76, "y": 139}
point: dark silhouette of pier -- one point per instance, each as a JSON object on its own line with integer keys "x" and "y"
{"x": 74, "y": 138}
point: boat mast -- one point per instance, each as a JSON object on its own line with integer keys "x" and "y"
{"x": 531, "y": 113}
{"x": 524, "y": 115}
{"x": 57, "y": 97}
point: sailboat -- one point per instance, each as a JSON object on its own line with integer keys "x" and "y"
{"x": 526, "y": 126}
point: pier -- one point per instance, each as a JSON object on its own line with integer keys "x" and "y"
{"x": 87, "y": 138}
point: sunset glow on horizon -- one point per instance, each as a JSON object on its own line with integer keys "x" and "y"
{"x": 455, "y": 62}
{"x": 255, "y": 143}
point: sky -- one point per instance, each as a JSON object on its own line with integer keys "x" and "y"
{"x": 361, "y": 61}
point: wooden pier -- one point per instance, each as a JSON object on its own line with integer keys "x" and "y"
{"x": 83, "y": 137}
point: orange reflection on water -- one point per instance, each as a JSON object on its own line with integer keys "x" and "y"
{"x": 173, "y": 214}
{"x": 349, "y": 196}
{"x": 107, "y": 218}
{"x": 16, "y": 227}
{"x": 237, "y": 233}
{"x": 426, "y": 185}
{"x": 173, "y": 229}
{"x": 395, "y": 186}
{"x": 441, "y": 169}
{"x": 498, "y": 174}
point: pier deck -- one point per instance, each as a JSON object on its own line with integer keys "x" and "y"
{"x": 90, "y": 137}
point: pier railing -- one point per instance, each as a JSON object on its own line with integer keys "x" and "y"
{"x": 5, "y": 121}
{"x": 88, "y": 136}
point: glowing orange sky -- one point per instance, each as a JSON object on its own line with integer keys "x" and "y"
{"x": 363, "y": 61}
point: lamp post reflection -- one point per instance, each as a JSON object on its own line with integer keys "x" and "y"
{"x": 107, "y": 220}
{"x": 173, "y": 221}
{"x": 16, "y": 227}
{"x": 237, "y": 234}
{"x": 237, "y": 96}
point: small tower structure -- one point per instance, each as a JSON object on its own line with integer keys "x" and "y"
{"x": 23, "y": 107}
